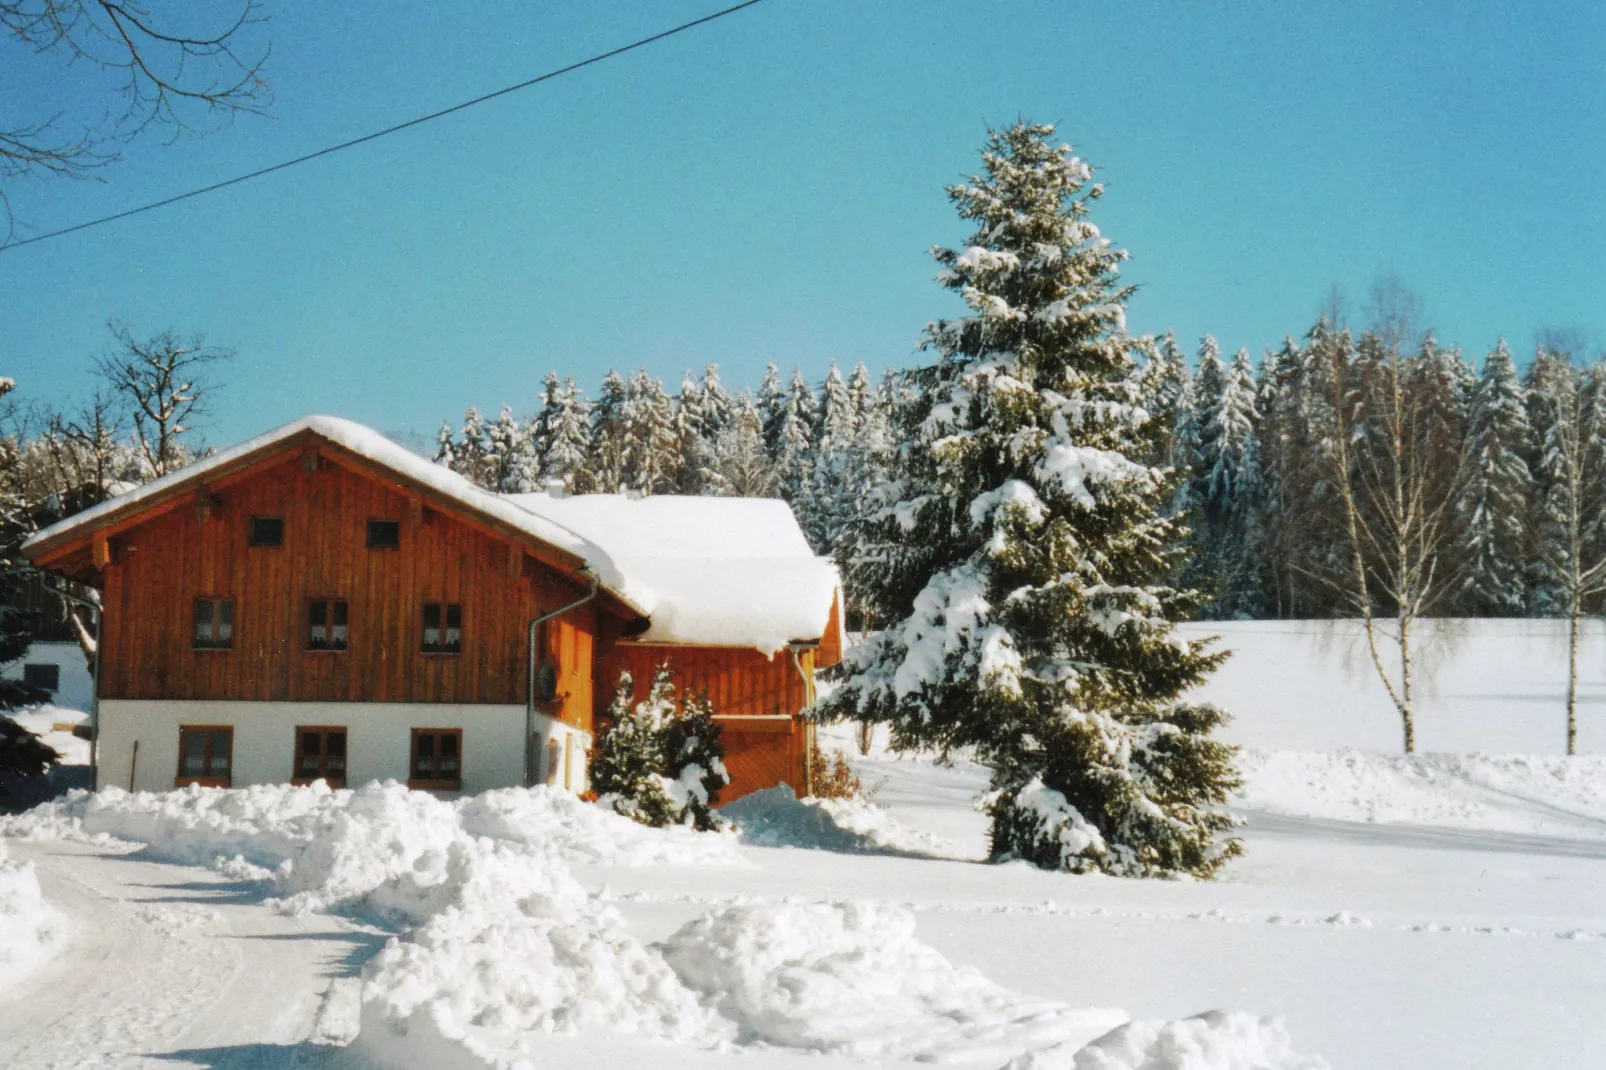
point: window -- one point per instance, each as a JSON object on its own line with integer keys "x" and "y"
{"x": 437, "y": 759}
{"x": 326, "y": 624}
{"x": 205, "y": 756}
{"x": 43, "y": 675}
{"x": 267, "y": 531}
{"x": 443, "y": 628}
{"x": 214, "y": 623}
{"x": 321, "y": 754}
{"x": 384, "y": 534}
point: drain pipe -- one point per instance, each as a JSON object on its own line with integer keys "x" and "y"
{"x": 808, "y": 700}
{"x": 529, "y": 705}
{"x": 94, "y": 686}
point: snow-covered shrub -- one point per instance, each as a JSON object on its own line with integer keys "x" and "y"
{"x": 659, "y": 761}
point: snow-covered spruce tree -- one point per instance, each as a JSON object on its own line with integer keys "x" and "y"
{"x": 660, "y": 761}
{"x": 603, "y": 470}
{"x": 694, "y": 760}
{"x": 1495, "y": 502}
{"x": 1022, "y": 551}
{"x": 1227, "y": 496}
{"x": 562, "y": 435}
{"x": 627, "y": 762}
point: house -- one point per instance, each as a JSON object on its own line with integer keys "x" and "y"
{"x": 320, "y": 602}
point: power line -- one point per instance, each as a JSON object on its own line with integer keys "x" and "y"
{"x": 548, "y": 76}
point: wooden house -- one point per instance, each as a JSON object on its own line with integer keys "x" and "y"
{"x": 320, "y": 602}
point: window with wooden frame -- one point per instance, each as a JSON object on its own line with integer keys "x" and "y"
{"x": 384, "y": 534}
{"x": 205, "y": 756}
{"x": 214, "y": 624}
{"x": 437, "y": 759}
{"x": 320, "y": 755}
{"x": 326, "y": 624}
{"x": 443, "y": 628}
{"x": 267, "y": 531}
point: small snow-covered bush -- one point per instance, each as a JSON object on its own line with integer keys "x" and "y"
{"x": 22, "y": 753}
{"x": 660, "y": 761}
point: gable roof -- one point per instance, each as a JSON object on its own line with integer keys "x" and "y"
{"x": 723, "y": 571}
{"x": 648, "y": 554}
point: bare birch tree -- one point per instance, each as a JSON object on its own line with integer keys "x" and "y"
{"x": 1395, "y": 464}
{"x": 1569, "y": 525}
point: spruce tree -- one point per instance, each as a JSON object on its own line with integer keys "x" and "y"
{"x": 628, "y": 761}
{"x": 1228, "y": 492}
{"x": 694, "y": 760}
{"x": 603, "y": 471}
{"x": 1494, "y": 504}
{"x": 562, "y": 436}
{"x": 1023, "y": 552}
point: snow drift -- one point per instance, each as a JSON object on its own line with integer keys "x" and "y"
{"x": 30, "y": 931}
{"x": 850, "y": 978}
{"x": 776, "y": 817}
{"x": 501, "y": 945}
{"x": 1507, "y": 793}
{"x": 1212, "y": 1041}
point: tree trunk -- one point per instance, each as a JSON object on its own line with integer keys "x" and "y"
{"x": 1407, "y": 713}
{"x": 1572, "y": 677}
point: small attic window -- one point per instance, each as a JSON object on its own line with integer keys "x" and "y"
{"x": 267, "y": 531}
{"x": 384, "y": 534}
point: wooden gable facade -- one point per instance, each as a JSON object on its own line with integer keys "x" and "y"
{"x": 155, "y": 566}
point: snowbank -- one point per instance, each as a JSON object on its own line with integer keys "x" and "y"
{"x": 561, "y": 826}
{"x": 850, "y": 978}
{"x": 1212, "y": 1041}
{"x": 776, "y": 817}
{"x": 1508, "y": 793}
{"x": 30, "y": 931}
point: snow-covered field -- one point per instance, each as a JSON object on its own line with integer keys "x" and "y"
{"x": 1438, "y": 911}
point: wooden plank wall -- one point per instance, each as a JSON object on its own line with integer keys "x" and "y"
{"x": 161, "y": 566}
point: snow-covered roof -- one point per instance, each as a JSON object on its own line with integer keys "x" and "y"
{"x": 723, "y": 571}
{"x": 705, "y": 571}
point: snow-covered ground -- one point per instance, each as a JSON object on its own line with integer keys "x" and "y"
{"x": 1434, "y": 912}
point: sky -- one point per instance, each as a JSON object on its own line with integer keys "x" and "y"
{"x": 767, "y": 188}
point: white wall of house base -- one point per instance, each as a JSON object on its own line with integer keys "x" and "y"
{"x": 378, "y": 740}
{"x": 77, "y": 686}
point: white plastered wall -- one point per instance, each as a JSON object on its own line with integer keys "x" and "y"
{"x": 378, "y": 740}
{"x": 77, "y": 687}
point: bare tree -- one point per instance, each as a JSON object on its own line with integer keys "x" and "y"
{"x": 1569, "y": 526}
{"x": 169, "y": 68}
{"x": 1395, "y": 313}
{"x": 162, "y": 382}
{"x": 1396, "y": 465}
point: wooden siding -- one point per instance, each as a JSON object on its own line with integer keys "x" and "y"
{"x": 159, "y": 566}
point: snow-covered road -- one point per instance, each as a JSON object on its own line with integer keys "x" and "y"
{"x": 172, "y": 966}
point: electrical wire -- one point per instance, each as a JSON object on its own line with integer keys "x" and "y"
{"x": 364, "y": 139}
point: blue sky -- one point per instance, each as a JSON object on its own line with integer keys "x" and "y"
{"x": 765, "y": 188}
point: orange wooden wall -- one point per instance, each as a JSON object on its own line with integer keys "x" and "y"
{"x": 160, "y": 566}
